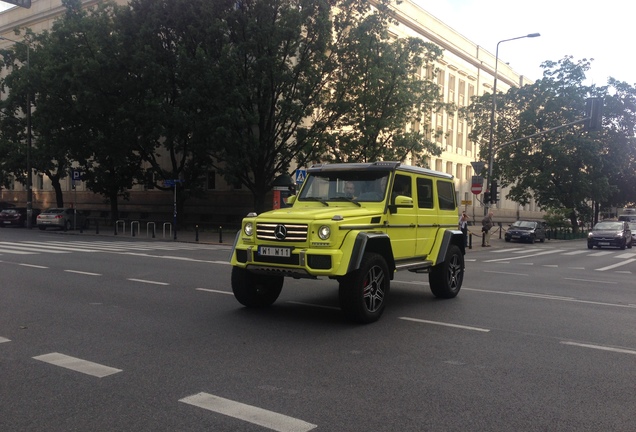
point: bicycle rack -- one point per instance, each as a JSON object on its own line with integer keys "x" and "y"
{"x": 164, "y": 229}
{"x": 123, "y": 226}
{"x": 148, "y": 229}
{"x": 134, "y": 224}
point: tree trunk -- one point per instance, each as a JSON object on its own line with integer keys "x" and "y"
{"x": 59, "y": 197}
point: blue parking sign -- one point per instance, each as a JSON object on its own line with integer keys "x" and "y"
{"x": 76, "y": 175}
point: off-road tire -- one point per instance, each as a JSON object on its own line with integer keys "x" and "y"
{"x": 255, "y": 291}
{"x": 445, "y": 279}
{"x": 363, "y": 293}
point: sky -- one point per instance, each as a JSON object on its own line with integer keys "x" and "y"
{"x": 584, "y": 29}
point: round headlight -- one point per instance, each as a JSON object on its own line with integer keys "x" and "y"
{"x": 249, "y": 228}
{"x": 324, "y": 232}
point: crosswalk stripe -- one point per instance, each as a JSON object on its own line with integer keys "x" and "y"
{"x": 78, "y": 365}
{"x": 41, "y": 248}
{"x": 16, "y": 252}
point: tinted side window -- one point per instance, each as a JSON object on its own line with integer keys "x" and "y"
{"x": 446, "y": 195}
{"x": 424, "y": 193}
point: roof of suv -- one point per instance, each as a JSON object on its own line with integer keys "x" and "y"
{"x": 379, "y": 166}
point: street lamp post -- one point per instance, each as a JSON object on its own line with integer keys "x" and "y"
{"x": 493, "y": 110}
{"x": 29, "y": 199}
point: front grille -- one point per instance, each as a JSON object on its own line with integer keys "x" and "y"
{"x": 284, "y": 232}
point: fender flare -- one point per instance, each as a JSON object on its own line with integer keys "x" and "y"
{"x": 371, "y": 242}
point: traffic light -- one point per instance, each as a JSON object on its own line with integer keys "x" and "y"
{"x": 493, "y": 192}
{"x": 487, "y": 197}
{"x": 594, "y": 114}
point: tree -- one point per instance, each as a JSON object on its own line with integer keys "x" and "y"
{"x": 565, "y": 168}
{"x": 307, "y": 80}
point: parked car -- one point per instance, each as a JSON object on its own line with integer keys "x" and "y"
{"x": 17, "y": 216}
{"x": 6, "y": 205}
{"x": 610, "y": 233}
{"x": 525, "y": 231}
{"x": 632, "y": 228}
{"x": 62, "y": 218}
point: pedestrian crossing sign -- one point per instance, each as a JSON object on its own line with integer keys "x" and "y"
{"x": 300, "y": 176}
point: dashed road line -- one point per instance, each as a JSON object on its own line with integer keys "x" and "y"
{"x": 613, "y": 266}
{"x": 444, "y": 324}
{"x": 3, "y": 340}
{"x": 148, "y": 281}
{"x": 601, "y": 347}
{"x": 249, "y": 413}
{"x": 78, "y": 365}
{"x": 83, "y": 273}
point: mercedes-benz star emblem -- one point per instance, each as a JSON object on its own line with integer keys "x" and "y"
{"x": 280, "y": 232}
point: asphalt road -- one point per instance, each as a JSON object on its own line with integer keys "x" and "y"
{"x": 107, "y": 333}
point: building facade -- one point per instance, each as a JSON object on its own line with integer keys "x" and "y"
{"x": 465, "y": 70}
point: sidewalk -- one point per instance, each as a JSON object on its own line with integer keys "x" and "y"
{"x": 226, "y": 237}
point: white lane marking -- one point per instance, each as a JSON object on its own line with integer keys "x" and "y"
{"x": 601, "y": 253}
{"x": 508, "y": 273}
{"x": 33, "y": 266}
{"x": 550, "y": 265}
{"x": 17, "y": 252}
{"x": 148, "y": 281}
{"x": 622, "y": 263}
{"x": 15, "y": 246}
{"x": 527, "y": 256}
{"x": 214, "y": 291}
{"x": 40, "y": 247}
{"x": 545, "y": 296}
{"x": 2, "y": 339}
{"x": 445, "y": 324}
{"x": 601, "y": 347}
{"x": 628, "y": 255}
{"x": 248, "y": 413}
{"x": 78, "y": 365}
{"x": 591, "y": 281}
{"x": 83, "y": 272}
{"x": 566, "y": 299}
{"x": 314, "y": 305}
{"x": 577, "y": 252}
{"x": 510, "y": 250}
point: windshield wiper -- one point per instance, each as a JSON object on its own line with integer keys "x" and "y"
{"x": 311, "y": 198}
{"x": 341, "y": 198}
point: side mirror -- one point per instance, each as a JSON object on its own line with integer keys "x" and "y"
{"x": 291, "y": 199}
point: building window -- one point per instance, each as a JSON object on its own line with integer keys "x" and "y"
{"x": 40, "y": 182}
{"x": 458, "y": 172}
{"x": 438, "y": 165}
{"x": 461, "y": 93}
{"x": 451, "y": 88}
{"x": 449, "y": 168}
{"x": 211, "y": 180}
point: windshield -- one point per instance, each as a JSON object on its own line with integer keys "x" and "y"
{"x": 345, "y": 186}
{"x": 609, "y": 226}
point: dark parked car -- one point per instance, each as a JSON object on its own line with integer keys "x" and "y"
{"x": 610, "y": 233}
{"x": 17, "y": 216}
{"x": 525, "y": 231}
{"x": 6, "y": 205}
{"x": 63, "y": 218}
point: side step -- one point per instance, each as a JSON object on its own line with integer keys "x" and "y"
{"x": 415, "y": 266}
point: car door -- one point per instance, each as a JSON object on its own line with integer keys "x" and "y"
{"x": 402, "y": 218}
{"x": 427, "y": 215}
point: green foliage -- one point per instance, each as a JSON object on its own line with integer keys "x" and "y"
{"x": 567, "y": 167}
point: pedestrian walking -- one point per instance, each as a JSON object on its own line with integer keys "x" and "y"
{"x": 463, "y": 226}
{"x": 486, "y": 226}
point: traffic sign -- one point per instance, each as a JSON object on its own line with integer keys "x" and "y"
{"x": 477, "y": 184}
{"x": 170, "y": 182}
{"x": 301, "y": 174}
{"x": 76, "y": 175}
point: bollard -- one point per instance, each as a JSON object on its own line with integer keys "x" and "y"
{"x": 220, "y": 234}
{"x": 96, "y": 226}
{"x": 132, "y": 228}
{"x": 470, "y": 241}
{"x": 196, "y": 232}
{"x": 153, "y": 230}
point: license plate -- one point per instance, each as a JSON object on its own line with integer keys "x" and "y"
{"x": 516, "y": 236}
{"x": 603, "y": 243}
{"x": 7, "y": 222}
{"x": 274, "y": 251}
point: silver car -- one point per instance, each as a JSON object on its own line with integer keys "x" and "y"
{"x": 62, "y": 218}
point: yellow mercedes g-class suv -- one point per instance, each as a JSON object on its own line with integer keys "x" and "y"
{"x": 357, "y": 223}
